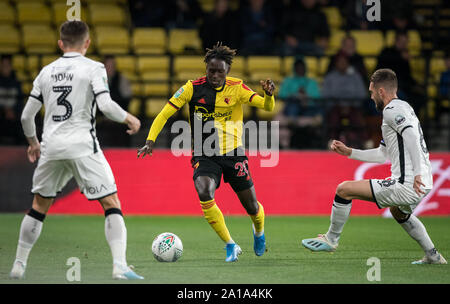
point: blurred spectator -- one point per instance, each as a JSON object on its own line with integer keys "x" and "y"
{"x": 343, "y": 81}
{"x": 222, "y": 24}
{"x": 355, "y": 14}
{"x": 257, "y": 25}
{"x": 183, "y": 13}
{"x": 397, "y": 58}
{"x": 301, "y": 114}
{"x": 111, "y": 133}
{"x": 444, "y": 83}
{"x": 397, "y": 15}
{"x": 147, "y": 13}
{"x": 306, "y": 29}
{"x": 347, "y": 89}
{"x": 11, "y": 102}
{"x": 348, "y": 48}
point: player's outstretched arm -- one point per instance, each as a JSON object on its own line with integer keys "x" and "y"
{"x": 268, "y": 101}
{"x": 377, "y": 155}
{"x": 155, "y": 129}
{"x": 147, "y": 149}
{"x": 340, "y": 148}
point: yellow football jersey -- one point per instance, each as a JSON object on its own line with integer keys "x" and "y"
{"x": 221, "y": 106}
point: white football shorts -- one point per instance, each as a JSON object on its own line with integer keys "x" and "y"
{"x": 92, "y": 174}
{"x": 390, "y": 193}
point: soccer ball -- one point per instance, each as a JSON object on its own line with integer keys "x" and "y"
{"x": 167, "y": 247}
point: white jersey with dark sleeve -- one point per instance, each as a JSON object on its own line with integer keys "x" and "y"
{"x": 68, "y": 88}
{"x": 404, "y": 140}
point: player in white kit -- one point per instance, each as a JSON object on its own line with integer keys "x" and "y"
{"x": 71, "y": 88}
{"x": 411, "y": 178}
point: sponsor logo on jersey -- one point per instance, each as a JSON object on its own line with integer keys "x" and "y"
{"x": 202, "y": 113}
{"x": 178, "y": 93}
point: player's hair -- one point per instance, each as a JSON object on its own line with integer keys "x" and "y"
{"x": 73, "y": 33}
{"x": 385, "y": 78}
{"x": 221, "y": 52}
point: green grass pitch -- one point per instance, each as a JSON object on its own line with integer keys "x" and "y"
{"x": 286, "y": 262}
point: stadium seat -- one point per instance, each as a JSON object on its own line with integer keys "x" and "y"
{"x": 106, "y": 14}
{"x": 188, "y": 68}
{"x": 47, "y": 59}
{"x": 368, "y": 43}
{"x": 7, "y": 14}
{"x": 103, "y": 1}
{"x": 134, "y": 107}
{"x": 311, "y": 63}
{"x": 33, "y": 62}
{"x": 9, "y": 39}
{"x": 418, "y": 69}
{"x": 39, "y": 39}
{"x": 184, "y": 41}
{"x": 156, "y": 89}
{"x": 127, "y": 66}
{"x": 112, "y": 40}
{"x": 155, "y": 68}
{"x": 27, "y": 86}
{"x": 370, "y": 63}
{"x": 206, "y": 5}
{"x": 287, "y": 65}
{"x": 149, "y": 41}
{"x": 33, "y": 12}
{"x": 335, "y": 42}
{"x": 437, "y": 66}
{"x": 414, "y": 45}
{"x": 238, "y": 67}
{"x": 432, "y": 91}
{"x": 262, "y": 67}
{"x": 323, "y": 66}
{"x": 136, "y": 88}
{"x": 20, "y": 67}
{"x": 334, "y": 17}
{"x": 59, "y": 10}
{"x": 19, "y": 62}
{"x": 153, "y": 106}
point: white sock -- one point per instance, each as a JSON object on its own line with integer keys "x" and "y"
{"x": 414, "y": 227}
{"x": 30, "y": 230}
{"x": 116, "y": 236}
{"x": 339, "y": 215}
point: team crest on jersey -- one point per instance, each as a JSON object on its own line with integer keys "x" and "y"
{"x": 399, "y": 119}
{"x": 178, "y": 93}
{"x": 227, "y": 100}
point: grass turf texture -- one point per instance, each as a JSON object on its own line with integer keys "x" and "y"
{"x": 286, "y": 261}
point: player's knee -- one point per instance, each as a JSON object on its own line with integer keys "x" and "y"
{"x": 398, "y": 215}
{"x": 205, "y": 189}
{"x": 343, "y": 190}
{"x": 110, "y": 201}
{"x": 251, "y": 207}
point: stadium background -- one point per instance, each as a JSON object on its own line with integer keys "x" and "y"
{"x": 158, "y": 49}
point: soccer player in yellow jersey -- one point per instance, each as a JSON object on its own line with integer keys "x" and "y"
{"x": 217, "y": 99}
